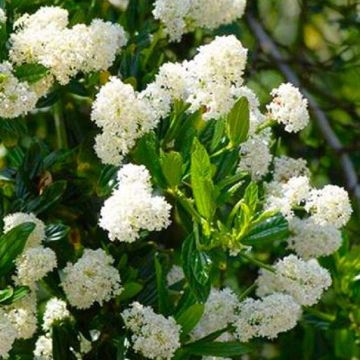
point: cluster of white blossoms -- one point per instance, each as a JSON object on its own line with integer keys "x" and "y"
{"x": 91, "y": 279}
{"x": 326, "y": 210}
{"x": 55, "y": 311}
{"x": 16, "y": 97}
{"x": 309, "y": 239}
{"x": 8, "y": 335}
{"x": 44, "y": 38}
{"x": 304, "y": 280}
{"x": 132, "y": 207}
{"x": 36, "y": 237}
{"x": 220, "y": 311}
{"x": 266, "y": 317}
{"x": 34, "y": 263}
{"x": 43, "y": 348}
{"x": 123, "y": 118}
{"x": 289, "y": 108}
{"x": 153, "y": 335}
{"x": 180, "y": 17}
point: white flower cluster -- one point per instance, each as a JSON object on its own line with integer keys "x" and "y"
{"x": 154, "y": 336}
{"x": 91, "y": 279}
{"x": 123, "y": 118}
{"x": 16, "y": 97}
{"x": 220, "y": 311}
{"x": 180, "y": 17}
{"x": 329, "y": 205}
{"x": 211, "y": 81}
{"x": 305, "y": 281}
{"x": 8, "y": 335}
{"x": 43, "y": 348}
{"x": 328, "y": 208}
{"x": 22, "y": 315}
{"x": 44, "y": 38}
{"x": 34, "y": 264}
{"x": 289, "y": 108}
{"x": 38, "y": 234}
{"x": 31, "y": 266}
{"x": 266, "y": 317}
{"x": 309, "y": 239}
{"x": 55, "y": 311}
{"x": 132, "y": 207}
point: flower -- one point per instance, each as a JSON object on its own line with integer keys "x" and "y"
{"x": 16, "y": 97}
{"x": 284, "y": 196}
{"x": 180, "y": 17}
{"x": 266, "y": 317}
{"x": 55, "y": 311}
{"x": 286, "y": 167}
{"x": 121, "y": 4}
{"x": 329, "y": 205}
{"x": 289, "y": 108}
{"x": 123, "y": 118}
{"x": 91, "y": 279}
{"x": 309, "y": 239}
{"x": 36, "y": 237}
{"x": 8, "y": 335}
{"x": 220, "y": 310}
{"x": 44, "y": 38}
{"x": 43, "y": 348}
{"x": 23, "y": 317}
{"x": 132, "y": 207}
{"x": 215, "y": 74}
{"x": 33, "y": 264}
{"x": 255, "y": 156}
{"x": 154, "y": 336}
{"x": 305, "y": 281}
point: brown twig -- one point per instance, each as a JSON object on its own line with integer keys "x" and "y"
{"x": 270, "y": 48}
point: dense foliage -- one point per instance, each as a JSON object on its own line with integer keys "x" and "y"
{"x": 166, "y": 193}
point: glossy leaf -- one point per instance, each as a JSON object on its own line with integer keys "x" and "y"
{"x": 171, "y": 164}
{"x": 220, "y": 349}
{"x": 189, "y": 318}
{"x": 238, "y": 121}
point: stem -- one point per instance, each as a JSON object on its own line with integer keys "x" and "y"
{"x": 221, "y": 151}
{"x": 321, "y": 315}
{"x": 257, "y": 262}
{"x": 245, "y": 293}
{"x": 60, "y": 126}
{"x": 264, "y": 125}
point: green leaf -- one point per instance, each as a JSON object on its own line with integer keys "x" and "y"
{"x": 6, "y": 294}
{"x": 238, "y": 121}
{"x": 11, "y": 130}
{"x": 12, "y": 244}
{"x": 219, "y": 349}
{"x": 218, "y": 134}
{"x": 273, "y": 228}
{"x": 201, "y": 291}
{"x": 31, "y": 72}
{"x": 49, "y": 197}
{"x": 201, "y": 180}
{"x": 56, "y": 232}
{"x": 201, "y": 266}
{"x": 190, "y": 317}
{"x": 107, "y": 180}
{"x": 251, "y": 197}
{"x": 62, "y": 341}
{"x": 162, "y": 291}
{"x": 120, "y": 348}
{"x": 131, "y": 289}
{"x": 147, "y": 153}
{"x": 171, "y": 164}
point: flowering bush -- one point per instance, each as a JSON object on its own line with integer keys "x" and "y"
{"x": 147, "y": 209}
